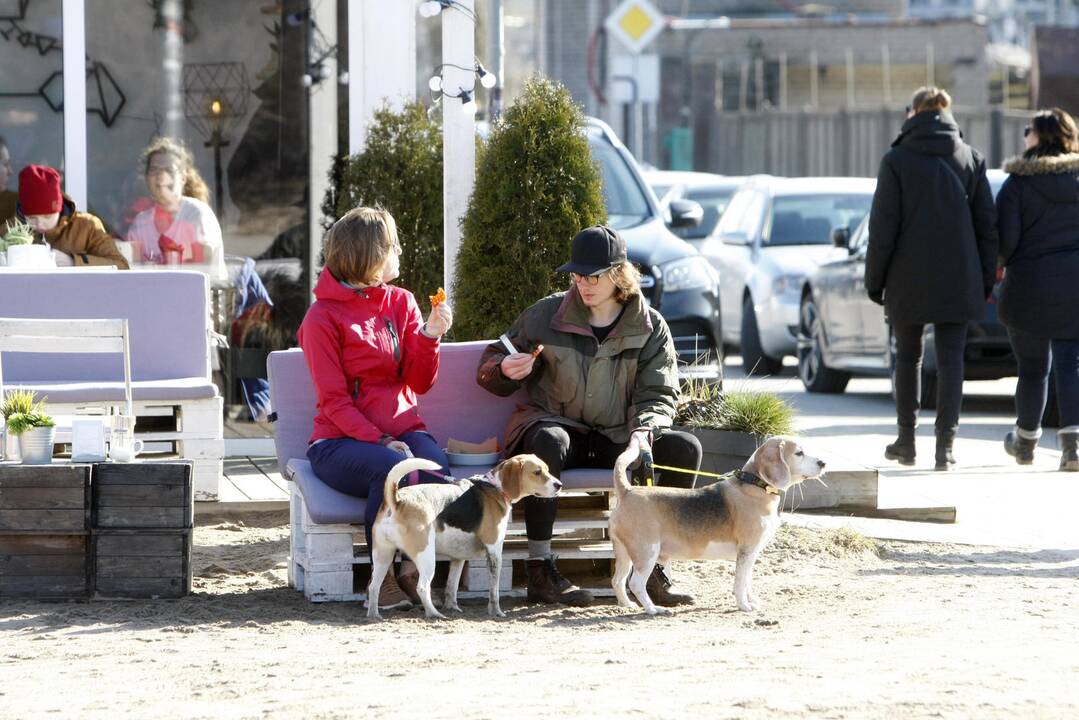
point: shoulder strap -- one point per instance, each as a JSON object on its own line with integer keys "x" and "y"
{"x": 968, "y": 193}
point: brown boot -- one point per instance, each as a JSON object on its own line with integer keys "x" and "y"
{"x": 391, "y": 596}
{"x": 661, "y": 590}
{"x": 546, "y": 585}
{"x": 408, "y": 579}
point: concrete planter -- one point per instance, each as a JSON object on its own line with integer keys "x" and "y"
{"x": 36, "y": 445}
{"x": 724, "y": 450}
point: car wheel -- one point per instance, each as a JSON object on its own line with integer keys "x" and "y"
{"x": 754, "y": 361}
{"x": 815, "y": 375}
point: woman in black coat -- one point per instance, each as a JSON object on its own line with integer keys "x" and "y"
{"x": 931, "y": 259}
{"x": 1038, "y": 216}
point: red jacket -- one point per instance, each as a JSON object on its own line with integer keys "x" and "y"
{"x": 368, "y": 360}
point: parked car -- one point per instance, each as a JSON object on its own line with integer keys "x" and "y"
{"x": 843, "y": 333}
{"x": 711, "y": 191}
{"x": 774, "y": 232}
{"x": 674, "y": 278}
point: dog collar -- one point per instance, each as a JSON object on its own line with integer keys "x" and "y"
{"x": 491, "y": 478}
{"x": 752, "y": 479}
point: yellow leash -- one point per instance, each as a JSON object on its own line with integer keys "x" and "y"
{"x": 699, "y": 472}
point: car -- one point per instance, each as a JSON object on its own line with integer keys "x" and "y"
{"x": 843, "y": 333}
{"x": 711, "y": 191}
{"x": 675, "y": 279}
{"x": 774, "y": 232}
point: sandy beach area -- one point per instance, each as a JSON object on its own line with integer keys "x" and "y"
{"x": 850, "y": 629}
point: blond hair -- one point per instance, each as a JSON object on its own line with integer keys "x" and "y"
{"x": 194, "y": 185}
{"x": 930, "y": 97}
{"x": 357, "y": 245}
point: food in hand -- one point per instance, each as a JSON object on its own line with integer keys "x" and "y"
{"x": 438, "y": 298}
{"x": 536, "y": 351}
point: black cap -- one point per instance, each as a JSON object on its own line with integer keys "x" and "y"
{"x": 595, "y": 250}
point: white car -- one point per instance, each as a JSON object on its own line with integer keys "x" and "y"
{"x": 711, "y": 191}
{"x": 774, "y": 232}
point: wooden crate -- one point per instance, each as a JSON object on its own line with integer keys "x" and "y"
{"x": 44, "y": 566}
{"x": 143, "y": 495}
{"x": 142, "y": 563}
{"x": 44, "y": 498}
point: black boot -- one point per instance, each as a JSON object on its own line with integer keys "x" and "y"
{"x": 661, "y": 590}
{"x": 1020, "y": 446}
{"x": 1069, "y": 448}
{"x": 902, "y": 449}
{"x": 945, "y": 459}
{"x": 547, "y": 585}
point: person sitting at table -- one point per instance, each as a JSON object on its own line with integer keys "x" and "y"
{"x": 75, "y": 238}
{"x": 176, "y": 228}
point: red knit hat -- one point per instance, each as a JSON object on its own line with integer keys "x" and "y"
{"x": 39, "y": 190}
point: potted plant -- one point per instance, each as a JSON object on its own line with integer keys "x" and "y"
{"x": 29, "y": 422}
{"x": 730, "y": 425}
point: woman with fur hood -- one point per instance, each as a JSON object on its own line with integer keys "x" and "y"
{"x": 1038, "y": 219}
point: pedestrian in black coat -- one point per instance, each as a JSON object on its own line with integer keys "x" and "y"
{"x": 931, "y": 259}
{"x": 1038, "y": 216}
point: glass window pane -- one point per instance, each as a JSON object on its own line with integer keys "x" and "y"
{"x": 809, "y": 220}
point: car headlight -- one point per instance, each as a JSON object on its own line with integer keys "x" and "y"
{"x": 689, "y": 273}
{"x": 787, "y": 284}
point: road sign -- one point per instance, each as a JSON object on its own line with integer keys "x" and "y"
{"x": 636, "y": 23}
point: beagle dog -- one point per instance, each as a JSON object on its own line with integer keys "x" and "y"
{"x": 733, "y": 519}
{"x": 458, "y": 520}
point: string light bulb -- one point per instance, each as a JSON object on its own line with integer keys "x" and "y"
{"x": 435, "y": 83}
{"x": 430, "y": 8}
{"x": 467, "y": 103}
{"x": 487, "y": 78}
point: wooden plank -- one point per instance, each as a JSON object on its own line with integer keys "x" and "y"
{"x": 256, "y": 486}
{"x": 54, "y": 520}
{"x": 946, "y": 515}
{"x": 46, "y": 587}
{"x": 42, "y": 544}
{"x": 844, "y": 488}
{"x": 139, "y": 567}
{"x": 131, "y": 544}
{"x": 56, "y": 475}
{"x": 142, "y": 588}
{"x": 42, "y": 498}
{"x": 42, "y": 565}
{"x": 158, "y": 472}
{"x": 136, "y": 496}
{"x": 142, "y": 517}
{"x": 268, "y": 466}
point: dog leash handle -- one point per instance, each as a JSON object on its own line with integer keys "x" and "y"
{"x": 644, "y": 472}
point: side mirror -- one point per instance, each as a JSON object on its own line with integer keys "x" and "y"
{"x": 736, "y": 237}
{"x": 686, "y": 213}
{"x": 841, "y": 237}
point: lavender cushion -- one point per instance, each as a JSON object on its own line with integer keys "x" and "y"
{"x": 193, "y": 388}
{"x": 325, "y": 505}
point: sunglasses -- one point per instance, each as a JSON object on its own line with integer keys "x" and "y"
{"x": 589, "y": 279}
{"x": 1027, "y": 131}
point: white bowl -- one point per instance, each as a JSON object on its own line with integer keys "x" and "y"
{"x": 472, "y": 458}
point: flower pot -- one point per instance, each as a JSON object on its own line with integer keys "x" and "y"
{"x": 30, "y": 256}
{"x": 35, "y": 445}
{"x": 724, "y": 450}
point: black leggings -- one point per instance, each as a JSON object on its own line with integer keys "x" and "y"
{"x": 563, "y": 448}
{"x": 951, "y": 340}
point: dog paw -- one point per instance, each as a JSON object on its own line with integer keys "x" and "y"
{"x": 745, "y": 606}
{"x": 659, "y": 611}
{"x": 436, "y": 616}
{"x": 496, "y": 613}
{"x": 452, "y": 608}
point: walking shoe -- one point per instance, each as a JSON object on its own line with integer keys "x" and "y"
{"x": 391, "y": 596}
{"x": 408, "y": 579}
{"x": 903, "y": 449}
{"x": 945, "y": 459}
{"x": 1069, "y": 448}
{"x": 660, "y": 589}
{"x": 1020, "y": 445}
{"x": 547, "y": 585}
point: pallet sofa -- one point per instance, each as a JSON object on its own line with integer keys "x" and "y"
{"x": 326, "y": 550}
{"x": 170, "y": 339}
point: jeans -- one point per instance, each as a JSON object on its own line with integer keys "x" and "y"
{"x": 1033, "y": 356}
{"x": 359, "y": 468}
{"x": 563, "y": 448}
{"x": 951, "y": 340}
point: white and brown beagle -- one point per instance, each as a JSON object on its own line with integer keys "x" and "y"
{"x": 458, "y": 520}
{"x": 733, "y": 519}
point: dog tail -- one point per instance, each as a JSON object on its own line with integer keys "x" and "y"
{"x": 621, "y": 466}
{"x": 399, "y": 471}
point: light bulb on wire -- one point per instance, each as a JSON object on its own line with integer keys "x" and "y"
{"x": 435, "y": 83}
{"x": 467, "y": 103}
{"x": 487, "y": 79}
{"x": 430, "y": 8}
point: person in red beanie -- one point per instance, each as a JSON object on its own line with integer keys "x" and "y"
{"x": 75, "y": 238}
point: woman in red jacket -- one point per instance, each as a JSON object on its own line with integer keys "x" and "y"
{"x": 370, "y": 354}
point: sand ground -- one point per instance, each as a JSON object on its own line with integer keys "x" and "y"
{"x": 910, "y": 630}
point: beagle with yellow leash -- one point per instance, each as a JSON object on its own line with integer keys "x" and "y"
{"x": 458, "y": 520}
{"x": 733, "y": 519}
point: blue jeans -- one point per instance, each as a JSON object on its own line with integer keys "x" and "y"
{"x": 1033, "y": 356}
{"x": 359, "y": 468}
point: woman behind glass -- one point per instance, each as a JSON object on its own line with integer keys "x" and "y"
{"x": 1038, "y": 217}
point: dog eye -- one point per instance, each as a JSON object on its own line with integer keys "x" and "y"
{"x": 799, "y": 453}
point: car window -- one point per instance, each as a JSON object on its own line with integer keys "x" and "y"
{"x": 625, "y": 199}
{"x": 810, "y": 219}
{"x": 732, "y": 216}
{"x": 753, "y": 217}
{"x": 714, "y": 202}
{"x": 860, "y": 238}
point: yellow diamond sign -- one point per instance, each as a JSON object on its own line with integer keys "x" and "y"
{"x": 635, "y": 23}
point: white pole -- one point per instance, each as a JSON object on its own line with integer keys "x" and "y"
{"x": 74, "y": 65}
{"x": 638, "y": 113}
{"x": 381, "y": 61}
{"x": 496, "y": 57}
{"x": 322, "y": 134}
{"x": 458, "y": 129}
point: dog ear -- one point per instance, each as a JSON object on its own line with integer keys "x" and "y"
{"x": 773, "y": 467}
{"x": 509, "y": 473}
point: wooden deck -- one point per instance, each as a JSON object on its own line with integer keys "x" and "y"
{"x": 251, "y": 482}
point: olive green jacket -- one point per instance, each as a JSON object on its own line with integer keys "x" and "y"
{"x": 628, "y": 381}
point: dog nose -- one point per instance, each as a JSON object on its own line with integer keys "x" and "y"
{"x": 557, "y": 486}
{"x": 820, "y": 463}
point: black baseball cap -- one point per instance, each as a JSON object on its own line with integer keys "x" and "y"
{"x": 595, "y": 250}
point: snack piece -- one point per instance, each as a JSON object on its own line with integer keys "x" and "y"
{"x": 489, "y": 445}
{"x": 438, "y": 298}
{"x": 536, "y": 351}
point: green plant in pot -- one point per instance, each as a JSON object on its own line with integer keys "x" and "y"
{"x": 730, "y": 425}
{"x": 28, "y": 421}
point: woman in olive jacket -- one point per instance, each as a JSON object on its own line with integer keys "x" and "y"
{"x": 599, "y": 366}
{"x": 1038, "y": 217}
{"x": 932, "y": 258}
